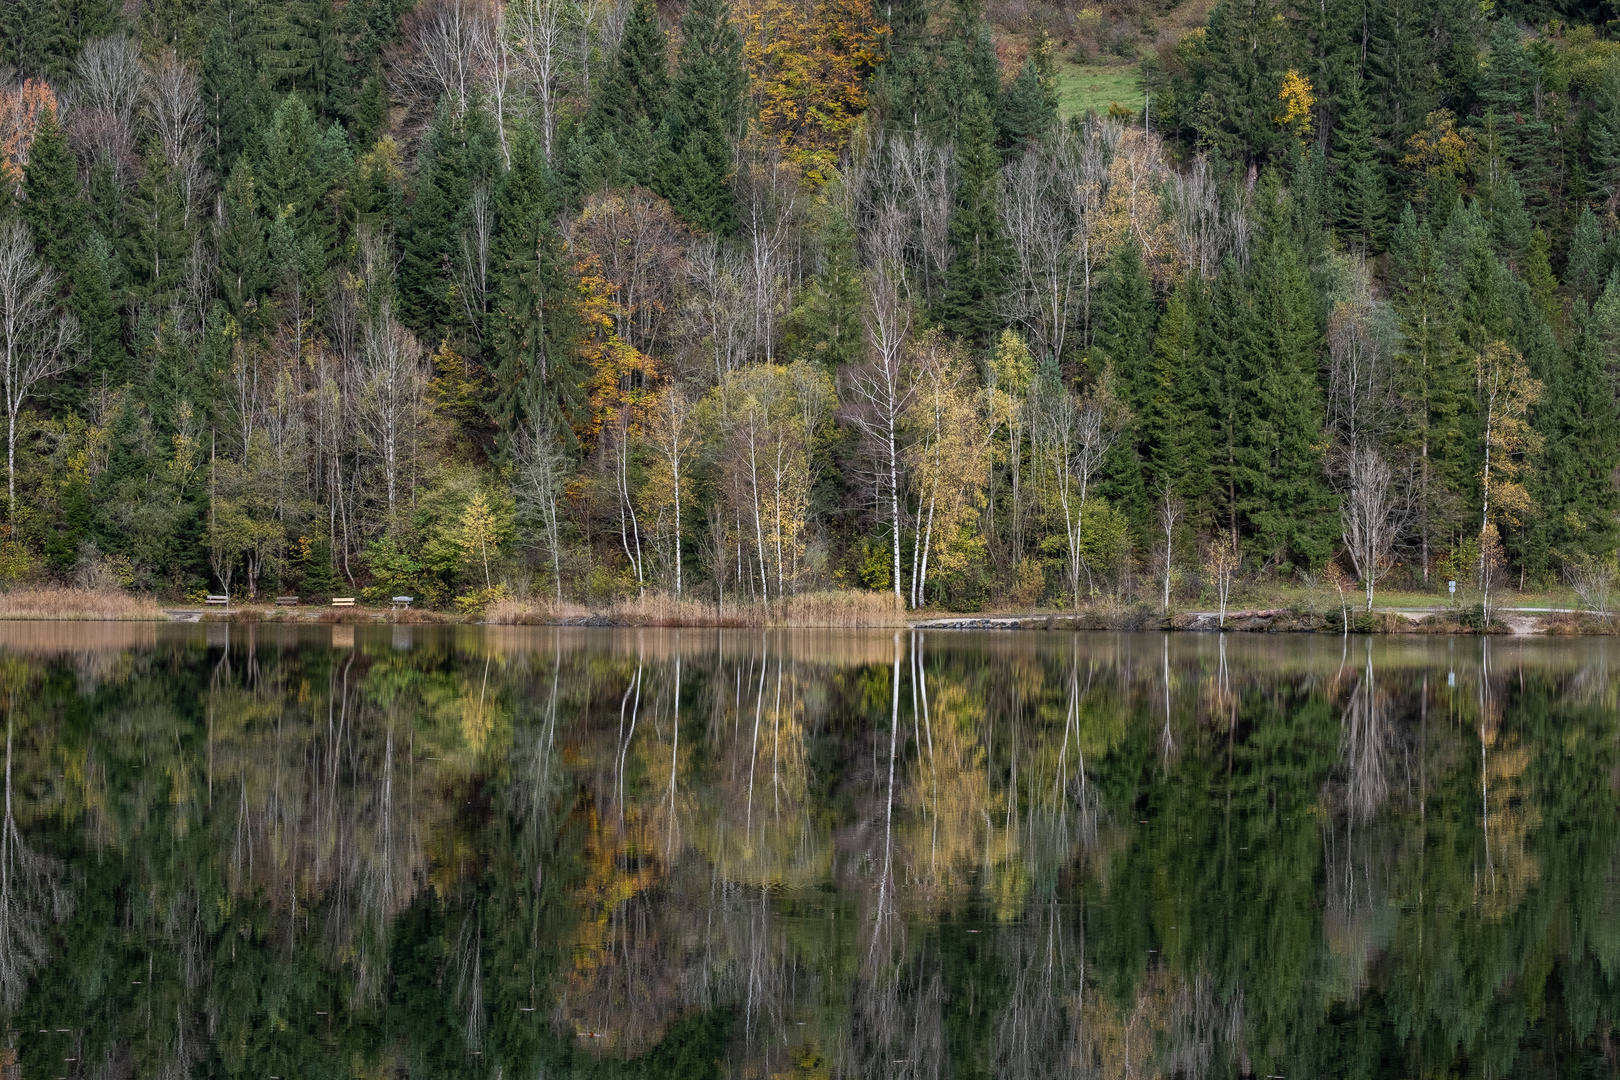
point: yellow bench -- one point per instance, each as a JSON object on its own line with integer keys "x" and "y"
{"x": 343, "y": 601}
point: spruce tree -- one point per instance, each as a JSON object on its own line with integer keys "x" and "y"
{"x": 621, "y": 138}
{"x": 460, "y": 155}
{"x": 1507, "y": 91}
{"x": 1232, "y": 329}
{"x": 826, "y": 326}
{"x": 707, "y": 116}
{"x": 1026, "y": 110}
{"x": 52, "y": 204}
{"x": 537, "y": 328}
{"x": 1358, "y": 180}
{"x": 1588, "y": 265}
{"x": 1603, "y": 127}
{"x": 241, "y": 245}
{"x": 1280, "y": 479}
{"x": 1174, "y": 421}
{"x": 1435, "y": 380}
{"x": 1123, "y": 320}
{"x": 1577, "y": 503}
{"x": 970, "y": 306}
{"x": 94, "y": 304}
{"x": 1538, "y": 277}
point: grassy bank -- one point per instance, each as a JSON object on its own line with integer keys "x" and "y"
{"x": 80, "y": 605}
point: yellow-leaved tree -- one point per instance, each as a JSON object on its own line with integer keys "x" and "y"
{"x": 1298, "y": 100}
{"x": 808, "y": 63}
{"x": 948, "y": 461}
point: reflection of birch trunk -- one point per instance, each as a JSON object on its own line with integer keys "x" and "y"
{"x": 30, "y": 899}
{"x": 885, "y": 900}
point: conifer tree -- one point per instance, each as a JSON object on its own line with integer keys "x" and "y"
{"x": 1603, "y": 181}
{"x": 1026, "y": 110}
{"x": 1358, "y": 180}
{"x": 92, "y": 302}
{"x": 52, "y": 205}
{"x": 1232, "y": 324}
{"x": 707, "y": 116}
{"x": 1174, "y": 422}
{"x": 1280, "y": 479}
{"x": 536, "y": 368}
{"x": 826, "y": 326}
{"x": 460, "y": 155}
{"x": 1434, "y": 382}
{"x": 241, "y": 243}
{"x": 970, "y": 306}
{"x": 157, "y": 242}
{"x": 1578, "y": 505}
{"x": 1124, "y": 316}
{"x": 1589, "y": 256}
{"x": 622, "y": 138}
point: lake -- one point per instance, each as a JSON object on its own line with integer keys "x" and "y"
{"x": 317, "y": 851}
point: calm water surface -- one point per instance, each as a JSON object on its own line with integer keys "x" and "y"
{"x": 484, "y": 852}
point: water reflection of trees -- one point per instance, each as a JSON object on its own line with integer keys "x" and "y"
{"x": 900, "y": 855}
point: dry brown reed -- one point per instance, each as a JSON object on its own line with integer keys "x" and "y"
{"x": 54, "y": 602}
{"x": 840, "y": 609}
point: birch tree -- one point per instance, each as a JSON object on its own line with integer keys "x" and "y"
{"x": 541, "y": 482}
{"x": 37, "y": 338}
{"x": 1074, "y": 433}
{"x": 878, "y": 392}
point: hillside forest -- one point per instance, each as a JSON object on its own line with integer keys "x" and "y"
{"x": 583, "y": 300}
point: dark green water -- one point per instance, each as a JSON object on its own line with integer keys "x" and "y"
{"x": 326, "y": 852}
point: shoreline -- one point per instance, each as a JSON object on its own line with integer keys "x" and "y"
{"x": 1507, "y": 621}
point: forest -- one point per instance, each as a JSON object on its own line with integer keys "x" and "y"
{"x": 582, "y": 300}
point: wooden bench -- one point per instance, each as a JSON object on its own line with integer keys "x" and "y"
{"x": 343, "y": 601}
{"x": 399, "y": 602}
{"x": 212, "y": 599}
{"x": 286, "y": 601}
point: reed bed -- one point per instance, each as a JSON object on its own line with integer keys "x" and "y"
{"x": 534, "y": 611}
{"x": 80, "y": 605}
{"x": 832, "y": 609}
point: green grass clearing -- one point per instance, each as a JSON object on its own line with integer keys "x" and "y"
{"x": 1095, "y": 86}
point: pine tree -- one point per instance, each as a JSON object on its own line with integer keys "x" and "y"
{"x": 970, "y": 306}
{"x": 52, "y": 204}
{"x": 707, "y": 116}
{"x": 1358, "y": 180}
